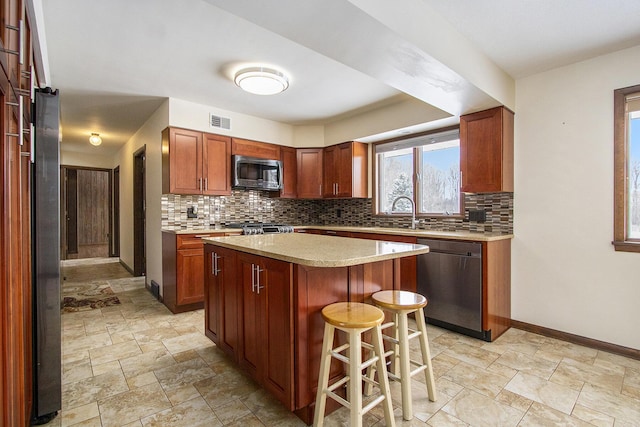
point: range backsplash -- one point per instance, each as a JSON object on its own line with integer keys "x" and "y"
{"x": 257, "y": 206}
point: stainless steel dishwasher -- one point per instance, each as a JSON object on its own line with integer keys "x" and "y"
{"x": 450, "y": 276}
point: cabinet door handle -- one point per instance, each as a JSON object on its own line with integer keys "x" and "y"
{"x": 214, "y": 262}
{"x": 253, "y": 278}
{"x": 206, "y": 183}
{"x": 258, "y": 271}
{"x": 200, "y": 183}
{"x": 337, "y": 188}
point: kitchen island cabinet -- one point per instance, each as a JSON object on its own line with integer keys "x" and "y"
{"x": 296, "y": 275}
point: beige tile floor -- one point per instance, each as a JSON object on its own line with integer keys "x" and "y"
{"x": 136, "y": 364}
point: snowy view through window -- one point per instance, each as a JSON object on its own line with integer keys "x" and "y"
{"x": 634, "y": 176}
{"x": 438, "y": 178}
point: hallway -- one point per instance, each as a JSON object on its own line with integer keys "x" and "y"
{"x": 136, "y": 364}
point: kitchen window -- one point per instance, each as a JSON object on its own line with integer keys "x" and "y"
{"x": 424, "y": 168}
{"x": 627, "y": 169}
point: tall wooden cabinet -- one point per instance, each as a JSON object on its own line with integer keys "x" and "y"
{"x": 195, "y": 162}
{"x": 16, "y": 77}
{"x": 486, "y": 151}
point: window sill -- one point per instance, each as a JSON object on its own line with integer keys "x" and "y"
{"x": 626, "y": 246}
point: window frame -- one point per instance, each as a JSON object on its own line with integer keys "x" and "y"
{"x": 621, "y": 173}
{"x": 414, "y": 178}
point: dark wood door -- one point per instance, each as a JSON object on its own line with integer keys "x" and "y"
{"x": 115, "y": 229}
{"x": 93, "y": 215}
{"x": 309, "y": 173}
{"x": 139, "y": 213}
{"x": 290, "y": 172}
{"x": 216, "y": 165}
{"x": 71, "y": 212}
{"x": 185, "y": 161}
{"x": 190, "y": 279}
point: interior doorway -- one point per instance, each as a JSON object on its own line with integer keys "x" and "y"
{"x": 139, "y": 215}
{"x": 86, "y": 204}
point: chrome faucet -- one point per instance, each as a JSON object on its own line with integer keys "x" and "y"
{"x": 413, "y": 209}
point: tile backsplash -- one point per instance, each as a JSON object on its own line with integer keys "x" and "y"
{"x": 257, "y": 206}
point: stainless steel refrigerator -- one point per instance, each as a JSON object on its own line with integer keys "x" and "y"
{"x": 45, "y": 235}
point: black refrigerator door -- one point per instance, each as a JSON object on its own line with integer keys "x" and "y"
{"x": 45, "y": 223}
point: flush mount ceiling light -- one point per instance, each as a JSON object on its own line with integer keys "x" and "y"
{"x": 95, "y": 139}
{"x": 261, "y": 80}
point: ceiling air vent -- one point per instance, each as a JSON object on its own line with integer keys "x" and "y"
{"x": 219, "y": 122}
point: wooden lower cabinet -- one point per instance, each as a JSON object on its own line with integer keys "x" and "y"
{"x": 221, "y": 299}
{"x": 189, "y": 264}
{"x": 266, "y": 325}
{"x": 266, "y": 315}
{"x": 183, "y": 270}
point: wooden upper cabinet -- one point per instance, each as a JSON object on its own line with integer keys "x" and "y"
{"x": 486, "y": 151}
{"x": 262, "y": 150}
{"x": 289, "y": 172}
{"x": 309, "y": 173}
{"x": 195, "y": 163}
{"x": 216, "y": 165}
{"x": 184, "y": 158}
{"x": 345, "y": 170}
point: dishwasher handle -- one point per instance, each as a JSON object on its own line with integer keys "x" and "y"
{"x": 460, "y": 254}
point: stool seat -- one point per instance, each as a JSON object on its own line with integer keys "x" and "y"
{"x": 352, "y": 315}
{"x": 399, "y": 300}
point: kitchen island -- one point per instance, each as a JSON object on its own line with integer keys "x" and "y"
{"x": 264, "y": 295}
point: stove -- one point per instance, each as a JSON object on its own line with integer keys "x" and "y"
{"x": 261, "y": 228}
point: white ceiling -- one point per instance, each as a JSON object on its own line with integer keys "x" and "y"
{"x": 116, "y": 61}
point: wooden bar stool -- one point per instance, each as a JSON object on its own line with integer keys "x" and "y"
{"x": 401, "y": 304}
{"x": 353, "y": 319}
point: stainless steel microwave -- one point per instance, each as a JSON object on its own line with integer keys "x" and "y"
{"x": 256, "y": 174}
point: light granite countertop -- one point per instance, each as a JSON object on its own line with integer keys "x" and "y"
{"x": 316, "y": 250}
{"x": 202, "y": 230}
{"x": 449, "y": 235}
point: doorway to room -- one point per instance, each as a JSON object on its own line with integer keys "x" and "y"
{"x": 86, "y": 205}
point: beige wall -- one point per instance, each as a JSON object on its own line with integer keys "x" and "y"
{"x": 194, "y": 116}
{"x": 71, "y": 158}
{"x": 149, "y": 135}
{"x": 566, "y": 274}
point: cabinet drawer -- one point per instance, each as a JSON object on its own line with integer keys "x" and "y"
{"x": 191, "y": 241}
